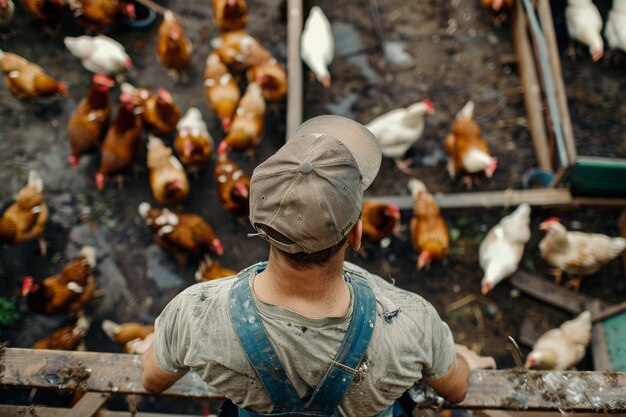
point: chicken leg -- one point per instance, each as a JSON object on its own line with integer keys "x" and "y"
{"x": 558, "y": 275}
{"x": 574, "y": 283}
{"x": 403, "y": 166}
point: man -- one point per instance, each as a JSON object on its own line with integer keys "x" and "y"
{"x": 307, "y": 332}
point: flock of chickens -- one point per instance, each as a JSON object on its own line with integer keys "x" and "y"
{"x": 188, "y": 235}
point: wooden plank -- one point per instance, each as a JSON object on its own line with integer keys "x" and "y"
{"x": 609, "y": 312}
{"x": 532, "y": 90}
{"x": 500, "y": 413}
{"x": 599, "y": 347}
{"x": 23, "y": 410}
{"x": 294, "y": 66}
{"x": 89, "y": 404}
{"x": 551, "y": 293}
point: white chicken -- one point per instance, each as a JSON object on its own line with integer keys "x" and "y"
{"x": 99, "y": 54}
{"x": 397, "y": 130}
{"x": 502, "y": 248}
{"x": 615, "y": 29}
{"x": 7, "y": 10}
{"x": 584, "y": 24}
{"x": 317, "y": 45}
{"x": 576, "y": 253}
{"x": 562, "y": 348}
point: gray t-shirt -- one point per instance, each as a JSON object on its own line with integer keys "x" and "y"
{"x": 409, "y": 340}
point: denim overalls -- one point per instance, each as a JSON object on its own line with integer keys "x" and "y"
{"x": 262, "y": 356}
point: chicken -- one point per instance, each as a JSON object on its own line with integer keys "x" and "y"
{"x": 99, "y": 15}
{"x": 379, "y": 220}
{"x": 66, "y": 292}
{"x": 26, "y": 218}
{"x": 87, "y": 125}
{"x": 99, "y": 54}
{"x": 317, "y": 46}
{"x": 615, "y": 28}
{"x": 220, "y": 89}
{"x": 44, "y": 11}
{"x": 7, "y": 10}
{"x": 247, "y": 127}
{"x": 122, "y": 142}
{"x": 230, "y": 14}
{"x": 397, "y": 130}
{"x": 173, "y": 47}
{"x": 66, "y": 338}
{"x": 429, "y": 231}
{"x": 182, "y": 234}
{"x": 128, "y": 335}
{"x": 584, "y": 24}
{"x": 233, "y": 185}
{"x": 576, "y": 253}
{"x": 502, "y": 248}
{"x": 239, "y": 50}
{"x": 469, "y": 153}
{"x": 271, "y": 77}
{"x": 160, "y": 112}
{"x": 210, "y": 269}
{"x": 193, "y": 143}
{"x": 562, "y": 348}
{"x": 168, "y": 179}
{"x": 26, "y": 80}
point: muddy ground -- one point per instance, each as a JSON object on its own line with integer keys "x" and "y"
{"x": 456, "y": 54}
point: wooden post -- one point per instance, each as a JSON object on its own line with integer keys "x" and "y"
{"x": 89, "y": 404}
{"x": 599, "y": 347}
{"x": 294, "y": 66}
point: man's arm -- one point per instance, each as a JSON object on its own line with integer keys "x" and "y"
{"x": 154, "y": 378}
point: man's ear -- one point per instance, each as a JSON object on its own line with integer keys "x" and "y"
{"x": 355, "y": 235}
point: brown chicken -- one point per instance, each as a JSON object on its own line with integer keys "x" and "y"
{"x": 168, "y": 179}
{"x": 161, "y": 113}
{"x": 182, "y": 234}
{"x": 233, "y": 186}
{"x": 247, "y": 127}
{"x": 239, "y": 50}
{"x": 220, "y": 89}
{"x": 90, "y": 120}
{"x": 429, "y": 231}
{"x": 66, "y": 338}
{"x": 26, "y": 218}
{"x": 469, "y": 153}
{"x": 271, "y": 77}
{"x": 193, "y": 143}
{"x": 210, "y": 269}
{"x": 173, "y": 47}
{"x": 26, "y": 80}
{"x": 129, "y": 335}
{"x": 230, "y": 14}
{"x": 379, "y": 220}
{"x": 44, "y": 11}
{"x": 576, "y": 253}
{"x": 98, "y": 15}
{"x": 66, "y": 292}
{"x": 122, "y": 143}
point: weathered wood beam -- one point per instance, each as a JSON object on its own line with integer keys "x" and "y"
{"x": 294, "y": 66}
{"x": 600, "y": 349}
{"x": 489, "y": 389}
{"x": 89, "y": 404}
{"x": 40, "y": 411}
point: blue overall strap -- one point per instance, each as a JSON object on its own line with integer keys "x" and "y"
{"x": 342, "y": 370}
{"x": 258, "y": 348}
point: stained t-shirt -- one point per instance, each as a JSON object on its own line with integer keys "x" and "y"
{"x": 409, "y": 341}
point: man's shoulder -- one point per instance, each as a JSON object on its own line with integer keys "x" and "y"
{"x": 207, "y": 292}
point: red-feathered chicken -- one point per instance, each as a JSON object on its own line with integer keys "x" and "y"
{"x": 429, "y": 231}
{"x": 26, "y": 80}
{"x": 168, "y": 179}
{"x": 122, "y": 143}
{"x": 230, "y": 14}
{"x": 131, "y": 336}
{"x": 173, "y": 47}
{"x": 239, "y": 50}
{"x": 66, "y": 292}
{"x": 98, "y": 15}
{"x": 26, "y": 218}
{"x": 379, "y": 220}
{"x": 193, "y": 143}
{"x": 44, "y": 11}
{"x": 220, "y": 89}
{"x": 182, "y": 234}
{"x": 271, "y": 77}
{"x": 66, "y": 338}
{"x": 247, "y": 127}
{"x": 469, "y": 153}
{"x": 233, "y": 185}
{"x": 210, "y": 269}
{"x": 90, "y": 120}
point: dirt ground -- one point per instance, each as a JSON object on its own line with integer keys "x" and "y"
{"x": 456, "y": 54}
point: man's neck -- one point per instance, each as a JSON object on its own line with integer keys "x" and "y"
{"x": 315, "y": 292}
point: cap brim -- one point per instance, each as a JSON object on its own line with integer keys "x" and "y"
{"x": 353, "y": 135}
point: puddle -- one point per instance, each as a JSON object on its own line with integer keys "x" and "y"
{"x": 347, "y": 42}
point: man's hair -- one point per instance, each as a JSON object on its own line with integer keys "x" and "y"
{"x": 302, "y": 260}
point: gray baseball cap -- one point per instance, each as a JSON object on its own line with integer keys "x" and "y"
{"x": 311, "y": 189}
